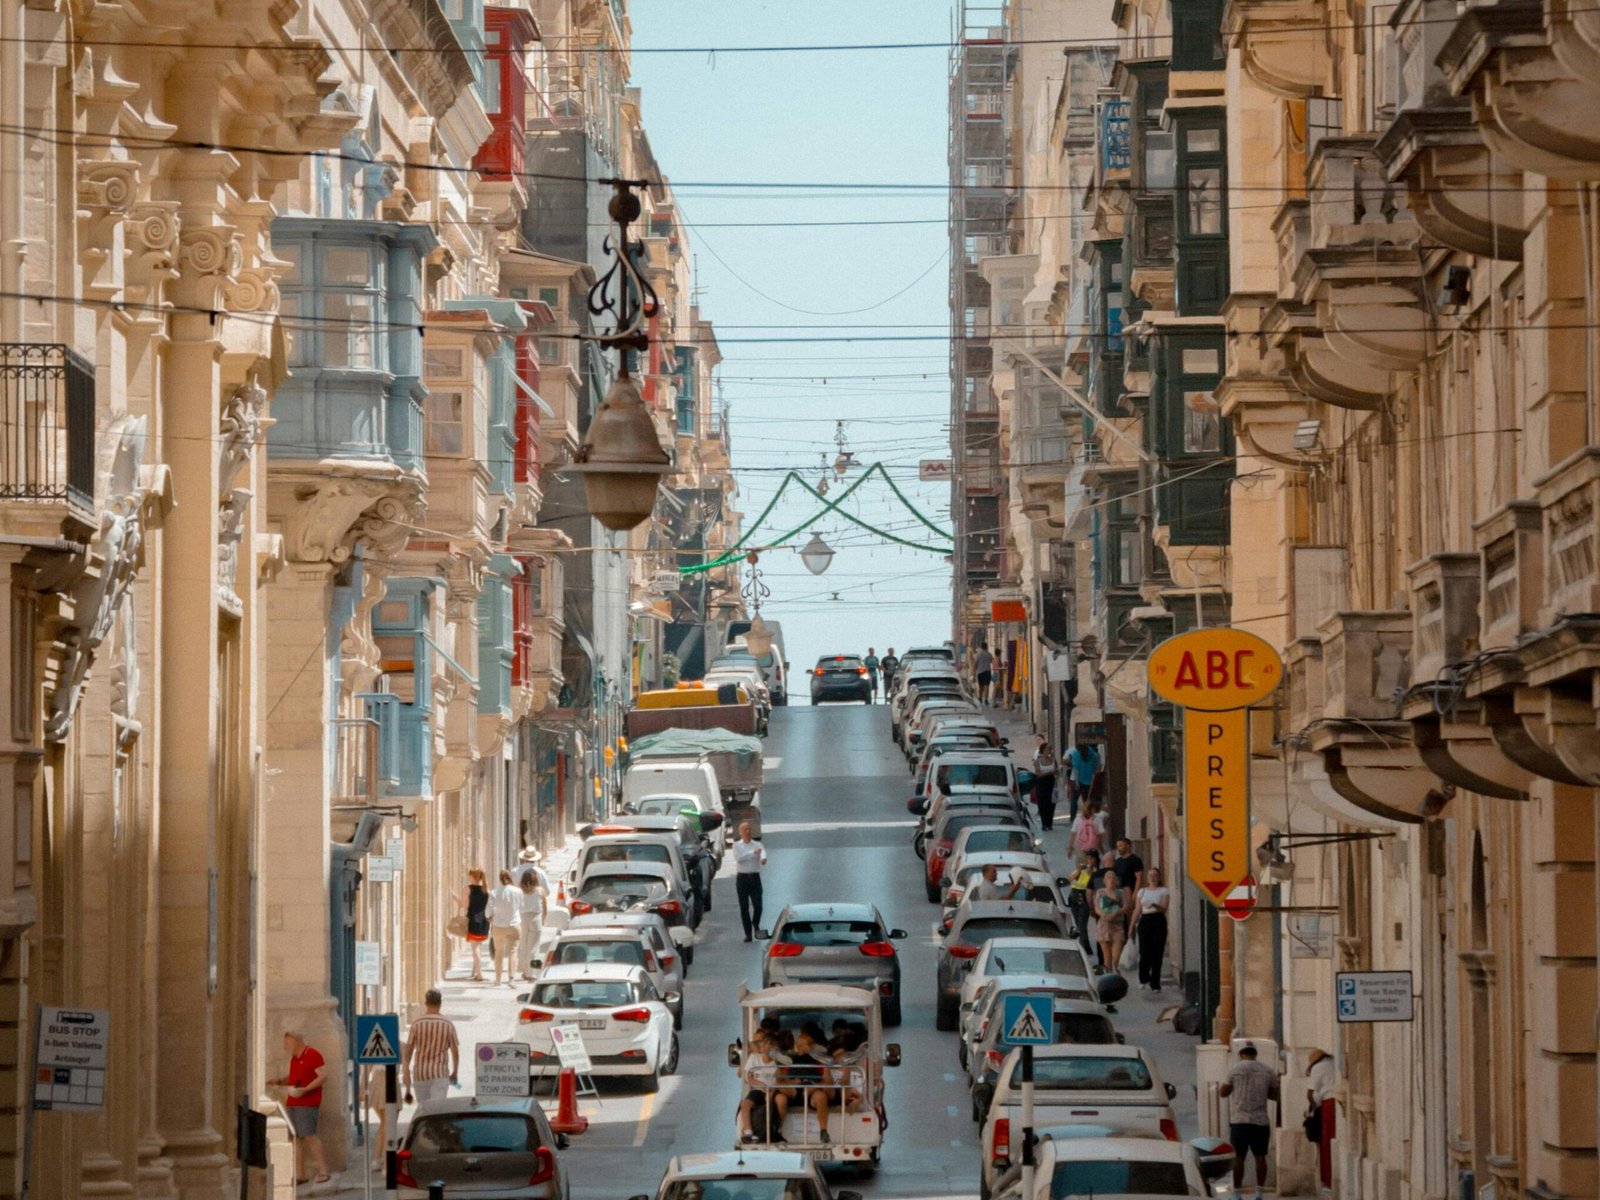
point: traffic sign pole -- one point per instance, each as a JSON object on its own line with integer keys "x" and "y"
{"x": 1026, "y": 1069}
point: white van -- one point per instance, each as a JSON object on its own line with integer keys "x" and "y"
{"x": 775, "y": 664}
{"x": 673, "y": 776}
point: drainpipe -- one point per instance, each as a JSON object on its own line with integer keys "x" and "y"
{"x": 13, "y": 147}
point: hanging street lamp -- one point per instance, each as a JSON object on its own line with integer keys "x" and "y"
{"x": 816, "y": 554}
{"x": 621, "y": 460}
{"x": 758, "y": 638}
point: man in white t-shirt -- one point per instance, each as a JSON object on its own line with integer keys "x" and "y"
{"x": 749, "y": 856}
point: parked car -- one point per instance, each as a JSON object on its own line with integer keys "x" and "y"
{"x": 1115, "y": 1087}
{"x": 775, "y": 662}
{"x": 840, "y": 677}
{"x": 482, "y": 1148}
{"x": 1036, "y": 882}
{"x": 621, "y": 844}
{"x": 836, "y": 943}
{"x": 632, "y": 945}
{"x": 854, "y": 1086}
{"x": 682, "y": 823}
{"x": 917, "y": 717}
{"x": 647, "y": 887}
{"x": 1076, "y": 1019}
{"x": 660, "y": 934}
{"x": 746, "y": 1175}
{"x": 626, "y": 1024}
{"x": 977, "y": 1016}
{"x": 994, "y": 839}
{"x": 976, "y": 921}
{"x": 1025, "y": 956}
{"x": 941, "y": 837}
{"x": 1090, "y": 1160}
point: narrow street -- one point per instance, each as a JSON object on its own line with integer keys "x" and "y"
{"x": 836, "y": 827}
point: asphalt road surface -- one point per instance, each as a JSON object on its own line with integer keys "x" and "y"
{"x": 836, "y": 828}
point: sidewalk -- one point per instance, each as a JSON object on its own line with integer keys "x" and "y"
{"x": 482, "y": 1012}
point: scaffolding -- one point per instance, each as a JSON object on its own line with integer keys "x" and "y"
{"x": 982, "y": 64}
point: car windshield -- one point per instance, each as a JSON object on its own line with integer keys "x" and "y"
{"x": 1092, "y": 1074}
{"x": 584, "y": 993}
{"x": 960, "y": 821}
{"x": 1095, "y": 1178}
{"x": 629, "y": 852}
{"x": 743, "y": 1188}
{"x": 603, "y": 950}
{"x": 975, "y": 774}
{"x": 1035, "y": 960}
{"x": 655, "y": 806}
{"x": 1000, "y": 841}
{"x": 473, "y": 1133}
{"x": 980, "y": 929}
{"x": 828, "y": 933}
{"x": 1082, "y": 1029}
{"x": 624, "y": 887}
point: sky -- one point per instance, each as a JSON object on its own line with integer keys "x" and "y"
{"x": 810, "y": 118}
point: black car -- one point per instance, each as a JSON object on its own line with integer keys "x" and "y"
{"x": 840, "y": 677}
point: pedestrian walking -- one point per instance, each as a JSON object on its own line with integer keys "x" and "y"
{"x": 749, "y": 856}
{"x": 983, "y": 671}
{"x": 430, "y": 1064}
{"x": 871, "y": 663}
{"x": 1083, "y": 877}
{"x": 1322, "y": 1074}
{"x": 1088, "y": 831}
{"x": 1249, "y": 1087}
{"x": 1150, "y": 906}
{"x": 890, "y": 665}
{"x": 1083, "y": 761}
{"x": 532, "y": 898}
{"x": 474, "y": 903}
{"x": 1111, "y": 912}
{"x": 303, "y": 1105}
{"x": 1044, "y": 783}
{"x": 505, "y": 924}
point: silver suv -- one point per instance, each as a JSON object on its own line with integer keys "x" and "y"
{"x": 844, "y": 944}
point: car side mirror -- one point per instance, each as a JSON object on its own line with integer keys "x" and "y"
{"x": 1121, "y": 1041}
{"x": 1172, "y": 1092}
{"x": 672, "y": 998}
{"x": 896, "y": 934}
{"x": 712, "y": 820}
{"x": 563, "y": 1142}
{"x": 891, "y": 1054}
{"x": 1063, "y": 881}
{"x": 846, "y": 1195}
{"x": 525, "y": 998}
{"x": 1110, "y": 988}
{"x": 733, "y": 1055}
{"x": 1005, "y": 741}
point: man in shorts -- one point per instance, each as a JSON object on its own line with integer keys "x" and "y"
{"x": 304, "y": 1105}
{"x": 1250, "y": 1086}
{"x": 983, "y": 670}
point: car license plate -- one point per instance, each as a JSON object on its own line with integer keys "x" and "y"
{"x": 592, "y": 1023}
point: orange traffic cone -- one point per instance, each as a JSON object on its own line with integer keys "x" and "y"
{"x": 567, "y": 1118}
{"x": 561, "y": 893}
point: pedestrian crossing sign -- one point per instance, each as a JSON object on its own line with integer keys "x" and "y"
{"x": 1025, "y": 1021}
{"x": 378, "y": 1038}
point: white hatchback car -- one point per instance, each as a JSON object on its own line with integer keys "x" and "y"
{"x": 746, "y": 1175}
{"x": 624, "y": 1022}
{"x": 633, "y": 946}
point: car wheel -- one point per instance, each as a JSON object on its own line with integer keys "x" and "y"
{"x": 983, "y": 1186}
{"x": 944, "y": 1016}
{"x": 670, "y": 1067}
{"x": 891, "y": 1011}
{"x": 688, "y": 956}
{"x": 961, "y": 1054}
{"x": 933, "y": 891}
{"x": 677, "y": 1018}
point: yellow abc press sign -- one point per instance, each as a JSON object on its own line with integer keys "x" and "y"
{"x": 1215, "y": 675}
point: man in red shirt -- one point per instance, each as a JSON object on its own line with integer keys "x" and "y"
{"x": 304, "y": 1104}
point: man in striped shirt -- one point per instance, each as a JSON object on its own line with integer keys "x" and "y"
{"x": 432, "y": 1057}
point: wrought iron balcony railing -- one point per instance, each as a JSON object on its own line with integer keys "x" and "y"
{"x": 46, "y": 424}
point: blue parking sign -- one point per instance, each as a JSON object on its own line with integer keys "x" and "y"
{"x": 1025, "y": 1021}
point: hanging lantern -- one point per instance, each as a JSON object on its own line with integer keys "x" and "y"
{"x": 621, "y": 460}
{"x": 816, "y": 554}
{"x": 758, "y": 638}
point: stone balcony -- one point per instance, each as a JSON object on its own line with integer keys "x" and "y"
{"x": 1532, "y": 71}
{"x": 1285, "y": 44}
{"x": 1367, "y": 750}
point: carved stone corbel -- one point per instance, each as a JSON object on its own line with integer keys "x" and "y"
{"x": 358, "y": 651}
{"x": 240, "y": 428}
{"x": 231, "y": 516}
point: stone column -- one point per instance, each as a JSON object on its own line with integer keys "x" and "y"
{"x": 295, "y": 859}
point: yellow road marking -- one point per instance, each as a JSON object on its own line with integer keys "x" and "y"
{"x": 645, "y": 1110}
